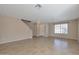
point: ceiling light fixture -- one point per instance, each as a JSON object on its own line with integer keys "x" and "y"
{"x": 38, "y": 5}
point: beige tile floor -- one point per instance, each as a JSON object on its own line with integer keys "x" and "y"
{"x": 41, "y": 46}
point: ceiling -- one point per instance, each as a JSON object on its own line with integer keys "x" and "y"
{"x": 47, "y": 13}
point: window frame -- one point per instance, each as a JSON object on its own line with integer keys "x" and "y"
{"x": 60, "y": 28}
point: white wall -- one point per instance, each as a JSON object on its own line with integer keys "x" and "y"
{"x": 40, "y": 29}
{"x": 12, "y": 29}
{"x": 78, "y": 30}
{"x": 47, "y": 29}
{"x": 72, "y": 30}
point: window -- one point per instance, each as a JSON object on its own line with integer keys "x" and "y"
{"x": 61, "y": 28}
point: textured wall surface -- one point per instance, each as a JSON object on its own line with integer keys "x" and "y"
{"x": 12, "y": 29}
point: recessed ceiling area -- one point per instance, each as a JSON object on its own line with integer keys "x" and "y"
{"x": 47, "y": 12}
